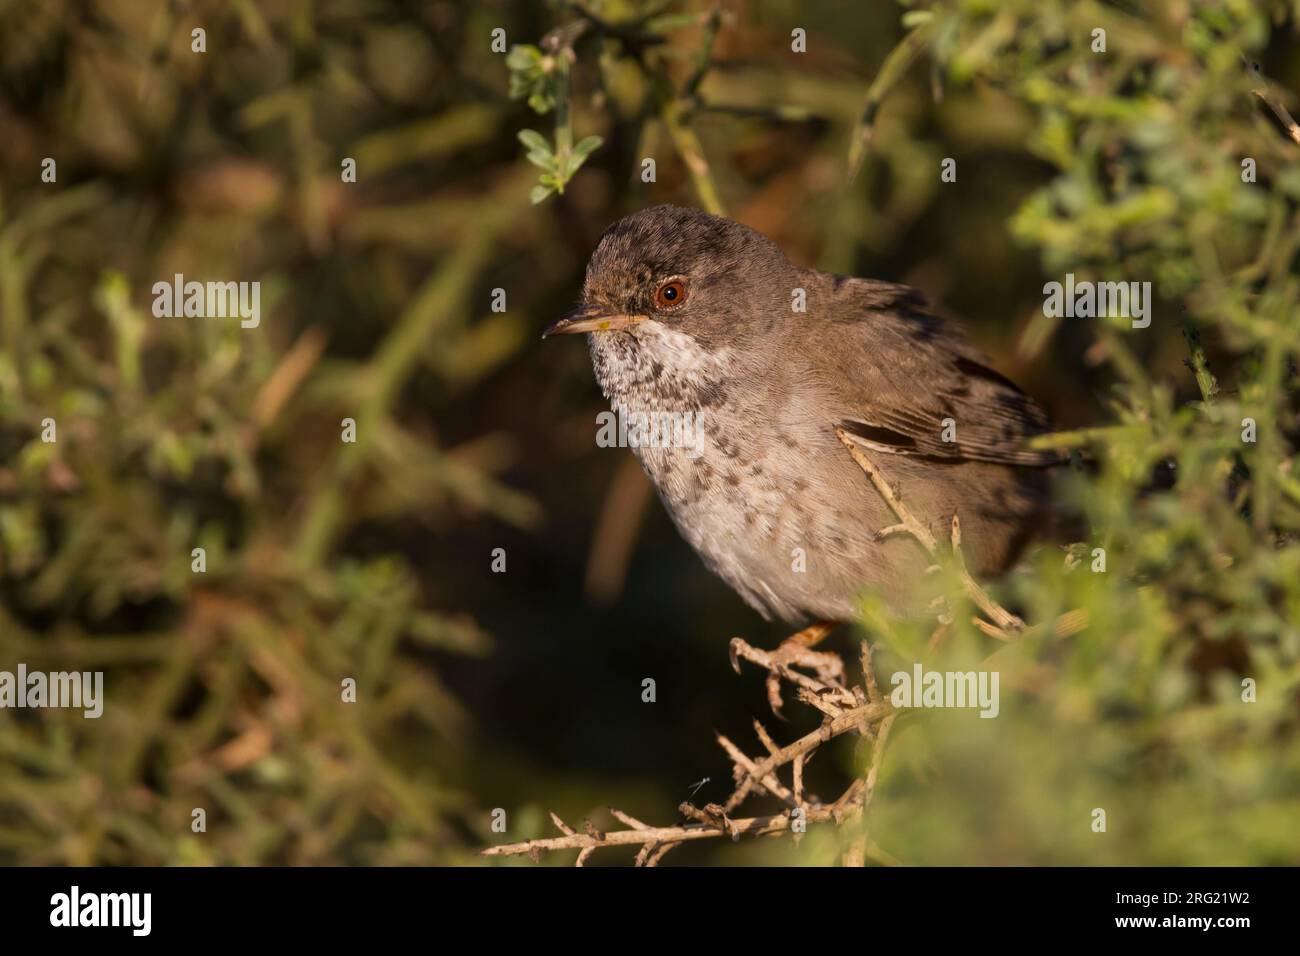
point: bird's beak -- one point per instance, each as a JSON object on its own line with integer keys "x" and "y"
{"x": 588, "y": 318}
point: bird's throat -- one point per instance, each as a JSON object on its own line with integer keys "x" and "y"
{"x": 656, "y": 368}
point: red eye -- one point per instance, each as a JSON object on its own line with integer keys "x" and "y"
{"x": 671, "y": 294}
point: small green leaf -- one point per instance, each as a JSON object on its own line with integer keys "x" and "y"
{"x": 523, "y": 57}
{"x": 542, "y": 100}
{"x": 539, "y": 193}
{"x": 586, "y": 147}
{"x": 534, "y": 141}
{"x": 539, "y": 150}
{"x": 579, "y": 155}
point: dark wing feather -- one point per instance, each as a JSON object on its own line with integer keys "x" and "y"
{"x": 899, "y": 371}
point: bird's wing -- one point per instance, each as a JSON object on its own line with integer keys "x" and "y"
{"x": 899, "y": 371}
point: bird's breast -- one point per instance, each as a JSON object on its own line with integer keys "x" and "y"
{"x": 748, "y": 475}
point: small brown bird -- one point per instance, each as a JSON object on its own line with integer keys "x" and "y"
{"x": 696, "y": 315}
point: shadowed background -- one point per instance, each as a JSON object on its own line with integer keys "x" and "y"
{"x": 522, "y": 690}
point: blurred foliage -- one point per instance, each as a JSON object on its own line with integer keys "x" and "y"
{"x": 1143, "y": 713}
{"x": 224, "y": 688}
{"x": 371, "y": 560}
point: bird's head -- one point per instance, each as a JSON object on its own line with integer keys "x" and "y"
{"x": 679, "y": 270}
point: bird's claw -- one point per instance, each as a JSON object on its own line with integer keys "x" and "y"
{"x": 828, "y": 668}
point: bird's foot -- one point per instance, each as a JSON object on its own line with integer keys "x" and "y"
{"x": 797, "y": 650}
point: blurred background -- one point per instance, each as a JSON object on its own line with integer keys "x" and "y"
{"x": 374, "y": 560}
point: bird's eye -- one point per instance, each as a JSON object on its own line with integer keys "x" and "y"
{"x": 671, "y": 294}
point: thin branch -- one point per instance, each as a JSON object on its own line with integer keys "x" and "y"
{"x": 769, "y": 782}
{"x": 1200, "y": 367}
{"x": 1001, "y": 617}
{"x": 858, "y": 798}
{"x": 626, "y": 819}
{"x": 657, "y": 854}
{"x": 712, "y": 22}
{"x": 891, "y": 72}
{"x": 672, "y": 111}
{"x": 844, "y": 711}
{"x": 752, "y": 826}
{"x": 1272, "y": 101}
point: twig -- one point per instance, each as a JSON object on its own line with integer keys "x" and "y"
{"x": 1262, "y": 91}
{"x": 751, "y": 826}
{"x": 1001, "y": 617}
{"x": 768, "y": 781}
{"x": 672, "y": 111}
{"x": 891, "y": 71}
{"x": 1200, "y": 367}
{"x": 625, "y": 819}
{"x": 712, "y": 21}
{"x": 844, "y": 711}
{"x": 657, "y": 853}
{"x": 858, "y": 797}
{"x": 877, "y": 757}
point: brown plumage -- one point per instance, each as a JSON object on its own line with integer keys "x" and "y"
{"x": 696, "y": 315}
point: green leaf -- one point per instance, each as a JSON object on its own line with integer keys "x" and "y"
{"x": 539, "y": 193}
{"x": 586, "y": 147}
{"x": 534, "y": 141}
{"x": 579, "y": 154}
{"x": 523, "y": 57}
{"x": 539, "y": 150}
{"x": 542, "y": 100}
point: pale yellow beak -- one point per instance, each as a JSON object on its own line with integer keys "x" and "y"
{"x": 591, "y": 319}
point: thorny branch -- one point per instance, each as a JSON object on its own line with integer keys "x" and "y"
{"x": 858, "y": 710}
{"x": 1004, "y": 622}
{"x": 1005, "y": 625}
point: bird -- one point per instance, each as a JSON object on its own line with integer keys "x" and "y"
{"x": 692, "y": 314}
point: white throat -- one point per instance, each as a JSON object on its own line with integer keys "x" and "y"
{"x": 656, "y": 367}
